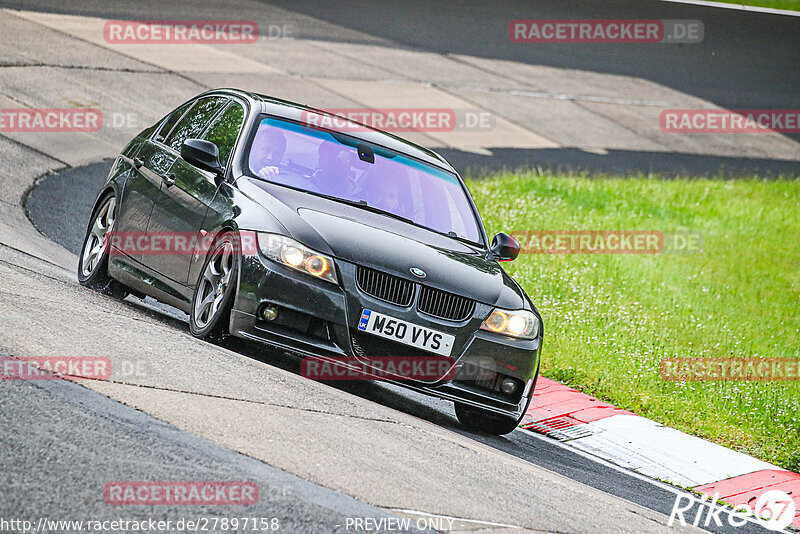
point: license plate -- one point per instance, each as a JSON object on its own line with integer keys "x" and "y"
{"x": 406, "y": 333}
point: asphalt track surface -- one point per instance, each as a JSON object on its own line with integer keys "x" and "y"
{"x": 59, "y": 206}
{"x": 81, "y": 438}
{"x": 745, "y": 61}
{"x": 741, "y": 64}
{"x": 88, "y": 439}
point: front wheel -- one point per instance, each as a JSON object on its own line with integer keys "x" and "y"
{"x": 485, "y": 421}
{"x": 489, "y": 422}
{"x": 93, "y": 261}
{"x": 214, "y": 292}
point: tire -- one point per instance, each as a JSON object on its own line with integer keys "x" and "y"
{"x": 214, "y": 292}
{"x": 484, "y": 421}
{"x": 93, "y": 260}
{"x": 489, "y": 422}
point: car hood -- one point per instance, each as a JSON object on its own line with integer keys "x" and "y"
{"x": 389, "y": 245}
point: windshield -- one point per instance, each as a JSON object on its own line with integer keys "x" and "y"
{"x": 325, "y": 163}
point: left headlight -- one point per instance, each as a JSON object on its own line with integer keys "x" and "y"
{"x": 515, "y": 323}
{"x": 297, "y": 256}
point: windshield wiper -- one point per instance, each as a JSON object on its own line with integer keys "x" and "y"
{"x": 365, "y": 206}
{"x": 452, "y": 235}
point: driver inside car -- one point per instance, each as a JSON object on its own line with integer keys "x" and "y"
{"x": 268, "y": 150}
{"x": 333, "y": 176}
{"x": 384, "y": 193}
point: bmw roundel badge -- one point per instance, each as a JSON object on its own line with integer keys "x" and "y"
{"x": 418, "y": 272}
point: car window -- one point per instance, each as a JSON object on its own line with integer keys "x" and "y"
{"x": 225, "y": 130}
{"x": 173, "y": 118}
{"x": 195, "y": 121}
{"x": 329, "y": 164}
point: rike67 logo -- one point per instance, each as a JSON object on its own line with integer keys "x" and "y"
{"x": 773, "y": 509}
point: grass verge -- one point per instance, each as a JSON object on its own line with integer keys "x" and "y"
{"x": 609, "y": 319}
{"x": 789, "y": 5}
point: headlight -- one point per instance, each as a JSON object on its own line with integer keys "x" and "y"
{"x": 297, "y": 256}
{"x": 517, "y": 323}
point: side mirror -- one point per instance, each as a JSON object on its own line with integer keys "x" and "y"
{"x": 203, "y": 155}
{"x": 505, "y": 247}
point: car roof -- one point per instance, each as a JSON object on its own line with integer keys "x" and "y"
{"x": 294, "y": 111}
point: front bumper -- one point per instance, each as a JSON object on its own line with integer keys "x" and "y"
{"x": 318, "y": 319}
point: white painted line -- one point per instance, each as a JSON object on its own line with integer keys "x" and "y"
{"x": 587, "y": 98}
{"x": 737, "y": 7}
{"x": 660, "y": 452}
{"x": 605, "y": 463}
{"x": 560, "y": 96}
{"x": 459, "y": 519}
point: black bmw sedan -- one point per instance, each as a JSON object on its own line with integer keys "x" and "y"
{"x": 350, "y": 247}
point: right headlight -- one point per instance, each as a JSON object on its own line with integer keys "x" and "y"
{"x": 289, "y": 252}
{"x": 514, "y": 323}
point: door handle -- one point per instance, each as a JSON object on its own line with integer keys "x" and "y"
{"x": 138, "y": 162}
{"x": 169, "y": 179}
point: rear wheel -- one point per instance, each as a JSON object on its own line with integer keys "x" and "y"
{"x": 93, "y": 261}
{"x": 214, "y": 292}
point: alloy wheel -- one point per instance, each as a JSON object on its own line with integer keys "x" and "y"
{"x": 214, "y": 285}
{"x": 95, "y": 244}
